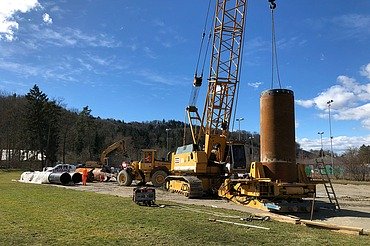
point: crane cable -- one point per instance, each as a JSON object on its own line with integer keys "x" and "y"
{"x": 239, "y": 75}
{"x": 274, "y": 56}
{"x": 198, "y": 78}
{"x": 201, "y": 43}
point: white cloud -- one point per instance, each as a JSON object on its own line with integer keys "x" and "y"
{"x": 322, "y": 57}
{"x": 157, "y": 78}
{"x": 132, "y": 47}
{"x": 59, "y": 72}
{"x": 305, "y": 103}
{"x": 259, "y": 44}
{"x": 71, "y": 37}
{"x": 19, "y": 68}
{"x": 47, "y": 19}
{"x": 158, "y": 23}
{"x": 8, "y": 8}
{"x": 351, "y": 26}
{"x": 340, "y": 143}
{"x": 166, "y": 35}
{"x": 255, "y": 84}
{"x": 355, "y": 22}
{"x": 99, "y": 60}
{"x": 351, "y": 100}
{"x": 365, "y": 71}
{"x": 150, "y": 78}
{"x": 358, "y": 113}
{"x": 150, "y": 53}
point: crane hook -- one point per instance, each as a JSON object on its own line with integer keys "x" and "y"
{"x": 272, "y": 4}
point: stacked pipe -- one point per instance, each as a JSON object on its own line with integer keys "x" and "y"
{"x": 64, "y": 178}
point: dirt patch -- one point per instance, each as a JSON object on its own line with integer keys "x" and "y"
{"x": 354, "y": 201}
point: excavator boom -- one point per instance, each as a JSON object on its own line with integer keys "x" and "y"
{"x": 119, "y": 145}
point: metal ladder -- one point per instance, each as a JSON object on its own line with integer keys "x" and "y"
{"x": 327, "y": 183}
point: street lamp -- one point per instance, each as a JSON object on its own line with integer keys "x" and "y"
{"x": 331, "y": 136}
{"x": 167, "y": 130}
{"x": 252, "y": 152}
{"x": 322, "y": 150}
{"x": 239, "y": 119}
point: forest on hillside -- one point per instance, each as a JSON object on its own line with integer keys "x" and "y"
{"x": 34, "y": 122}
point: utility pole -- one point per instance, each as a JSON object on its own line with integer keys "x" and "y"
{"x": 239, "y": 119}
{"x": 322, "y": 150}
{"x": 331, "y": 136}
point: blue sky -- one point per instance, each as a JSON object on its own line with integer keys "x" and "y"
{"x": 135, "y": 60}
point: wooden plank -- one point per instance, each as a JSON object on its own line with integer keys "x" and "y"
{"x": 359, "y": 231}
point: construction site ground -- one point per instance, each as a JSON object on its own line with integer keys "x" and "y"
{"x": 354, "y": 200}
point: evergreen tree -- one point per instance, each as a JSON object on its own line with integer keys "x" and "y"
{"x": 86, "y": 133}
{"x": 41, "y": 125}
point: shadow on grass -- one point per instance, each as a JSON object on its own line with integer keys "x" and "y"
{"x": 326, "y": 214}
{"x": 323, "y": 211}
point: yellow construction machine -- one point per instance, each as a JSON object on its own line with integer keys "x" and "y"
{"x": 213, "y": 164}
{"x": 201, "y": 167}
{"x": 101, "y": 170}
{"x": 104, "y": 159}
{"x": 148, "y": 169}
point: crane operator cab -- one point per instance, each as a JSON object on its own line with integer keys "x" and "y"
{"x": 236, "y": 160}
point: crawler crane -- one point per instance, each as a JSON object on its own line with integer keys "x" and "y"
{"x": 277, "y": 182}
{"x": 200, "y": 167}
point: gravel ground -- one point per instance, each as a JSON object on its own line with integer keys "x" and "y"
{"x": 354, "y": 201}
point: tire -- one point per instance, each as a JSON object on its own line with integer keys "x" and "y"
{"x": 158, "y": 178}
{"x": 124, "y": 178}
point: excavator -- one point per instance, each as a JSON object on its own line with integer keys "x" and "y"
{"x": 104, "y": 160}
{"x": 211, "y": 164}
{"x": 100, "y": 170}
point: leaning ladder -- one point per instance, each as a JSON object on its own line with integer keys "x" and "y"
{"x": 327, "y": 183}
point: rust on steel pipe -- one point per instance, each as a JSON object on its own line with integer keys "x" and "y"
{"x": 277, "y": 125}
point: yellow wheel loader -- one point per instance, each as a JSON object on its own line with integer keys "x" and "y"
{"x": 149, "y": 169}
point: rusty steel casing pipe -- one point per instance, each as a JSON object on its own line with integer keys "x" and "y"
{"x": 277, "y": 125}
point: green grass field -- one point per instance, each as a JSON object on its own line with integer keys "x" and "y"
{"x": 46, "y": 215}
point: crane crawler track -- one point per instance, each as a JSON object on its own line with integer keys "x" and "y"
{"x": 189, "y": 186}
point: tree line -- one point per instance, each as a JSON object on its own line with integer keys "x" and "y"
{"x": 36, "y": 122}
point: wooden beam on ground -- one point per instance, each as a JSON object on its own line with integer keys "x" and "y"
{"x": 345, "y": 229}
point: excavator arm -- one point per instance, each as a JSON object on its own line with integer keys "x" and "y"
{"x": 119, "y": 145}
